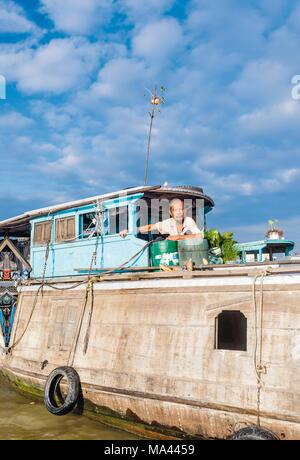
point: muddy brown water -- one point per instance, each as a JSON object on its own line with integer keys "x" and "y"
{"x": 21, "y": 417}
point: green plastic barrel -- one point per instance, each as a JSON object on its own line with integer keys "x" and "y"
{"x": 164, "y": 252}
{"x": 194, "y": 248}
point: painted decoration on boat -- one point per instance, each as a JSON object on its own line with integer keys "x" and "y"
{"x": 7, "y": 313}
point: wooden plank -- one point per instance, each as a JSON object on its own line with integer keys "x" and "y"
{"x": 152, "y": 274}
{"x": 205, "y": 267}
{"x": 132, "y": 269}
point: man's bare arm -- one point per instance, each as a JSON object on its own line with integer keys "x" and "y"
{"x": 143, "y": 229}
{"x": 184, "y": 237}
{"x": 146, "y": 228}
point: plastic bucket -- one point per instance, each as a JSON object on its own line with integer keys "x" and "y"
{"x": 193, "y": 248}
{"x": 164, "y": 253}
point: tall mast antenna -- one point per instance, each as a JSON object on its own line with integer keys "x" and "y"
{"x": 156, "y": 101}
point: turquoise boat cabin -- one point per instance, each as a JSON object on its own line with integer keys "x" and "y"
{"x": 82, "y": 236}
{"x": 261, "y": 251}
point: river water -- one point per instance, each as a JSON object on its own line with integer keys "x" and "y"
{"x": 23, "y": 418}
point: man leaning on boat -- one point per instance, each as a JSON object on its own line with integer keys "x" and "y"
{"x": 178, "y": 226}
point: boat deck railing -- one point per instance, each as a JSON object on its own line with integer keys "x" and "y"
{"x": 211, "y": 271}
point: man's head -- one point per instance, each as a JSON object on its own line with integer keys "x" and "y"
{"x": 177, "y": 209}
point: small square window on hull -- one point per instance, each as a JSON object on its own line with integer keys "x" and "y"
{"x": 231, "y": 331}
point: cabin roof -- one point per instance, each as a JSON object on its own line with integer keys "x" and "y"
{"x": 20, "y": 225}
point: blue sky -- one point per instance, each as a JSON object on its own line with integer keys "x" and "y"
{"x": 75, "y": 120}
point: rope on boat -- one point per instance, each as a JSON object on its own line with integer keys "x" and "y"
{"x": 89, "y": 283}
{"x": 77, "y": 335}
{"x": 259, "y": 367}
{"x": 89, "y": 288}
{"x": 87, "y": 334}
{"x": 8, "y": 349}
{"x": 96, "y": 221}
{"x": 40, "y": 289}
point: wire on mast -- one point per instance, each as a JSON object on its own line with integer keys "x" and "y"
{"x": 156, "y": 101}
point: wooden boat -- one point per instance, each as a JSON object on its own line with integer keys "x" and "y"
{"x": 202, "y": 353}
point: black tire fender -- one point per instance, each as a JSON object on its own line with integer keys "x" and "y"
{"x": 253, "y": 433}
{"x": 52, "y": 389}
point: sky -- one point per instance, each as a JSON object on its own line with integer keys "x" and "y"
{"x": 75, "y": 119}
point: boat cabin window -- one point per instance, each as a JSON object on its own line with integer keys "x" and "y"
{"x": 42, "y": 232}
{"x": 143, "y": 217}
{"x": 151, "y": 211}
{"x": 231, "y": 331}
{"x": 65, "y": 229}
{"x": 88, "y": 225}
{"x": 115, "y": 220}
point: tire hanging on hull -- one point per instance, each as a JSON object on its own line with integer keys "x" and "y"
{"x": 253, "y": 433}
{"x": 52, "y": 392}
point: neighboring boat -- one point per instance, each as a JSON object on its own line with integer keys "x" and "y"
{"x": 202, "y": 353}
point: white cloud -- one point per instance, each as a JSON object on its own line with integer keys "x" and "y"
{"x": 279, "y": 120}
{"x": 15, "y": 121}
{"x": 56, "y": 117}
{"x": 158, "y": 41}
{"x": 106, "y": 159}
{"x": 212, "y": 60}
{"x": 139, "y": 11}
{"x": 13, "y": 19}
{"x": 294, "y": 18}
{"x": 78, "y": 16}
{"x": 262, "y": 81}
{"x": 233, "y": 185}
{"x": 271, "y": 9}
{"x": 58, "y": 66}
{"x": 280, "y": 180}
{"x": 10, "y": 57}
{"x": 289, "y": 175}
{"x": 231, "y": 25}
{"x": 121, "y": 79}
{"x": 283, "y": 45}
{"x": 228, "y": 105}
{"x": 70, "y": 159}
{"x": 219, "y": 158}
{"x": 256, "y": 232}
